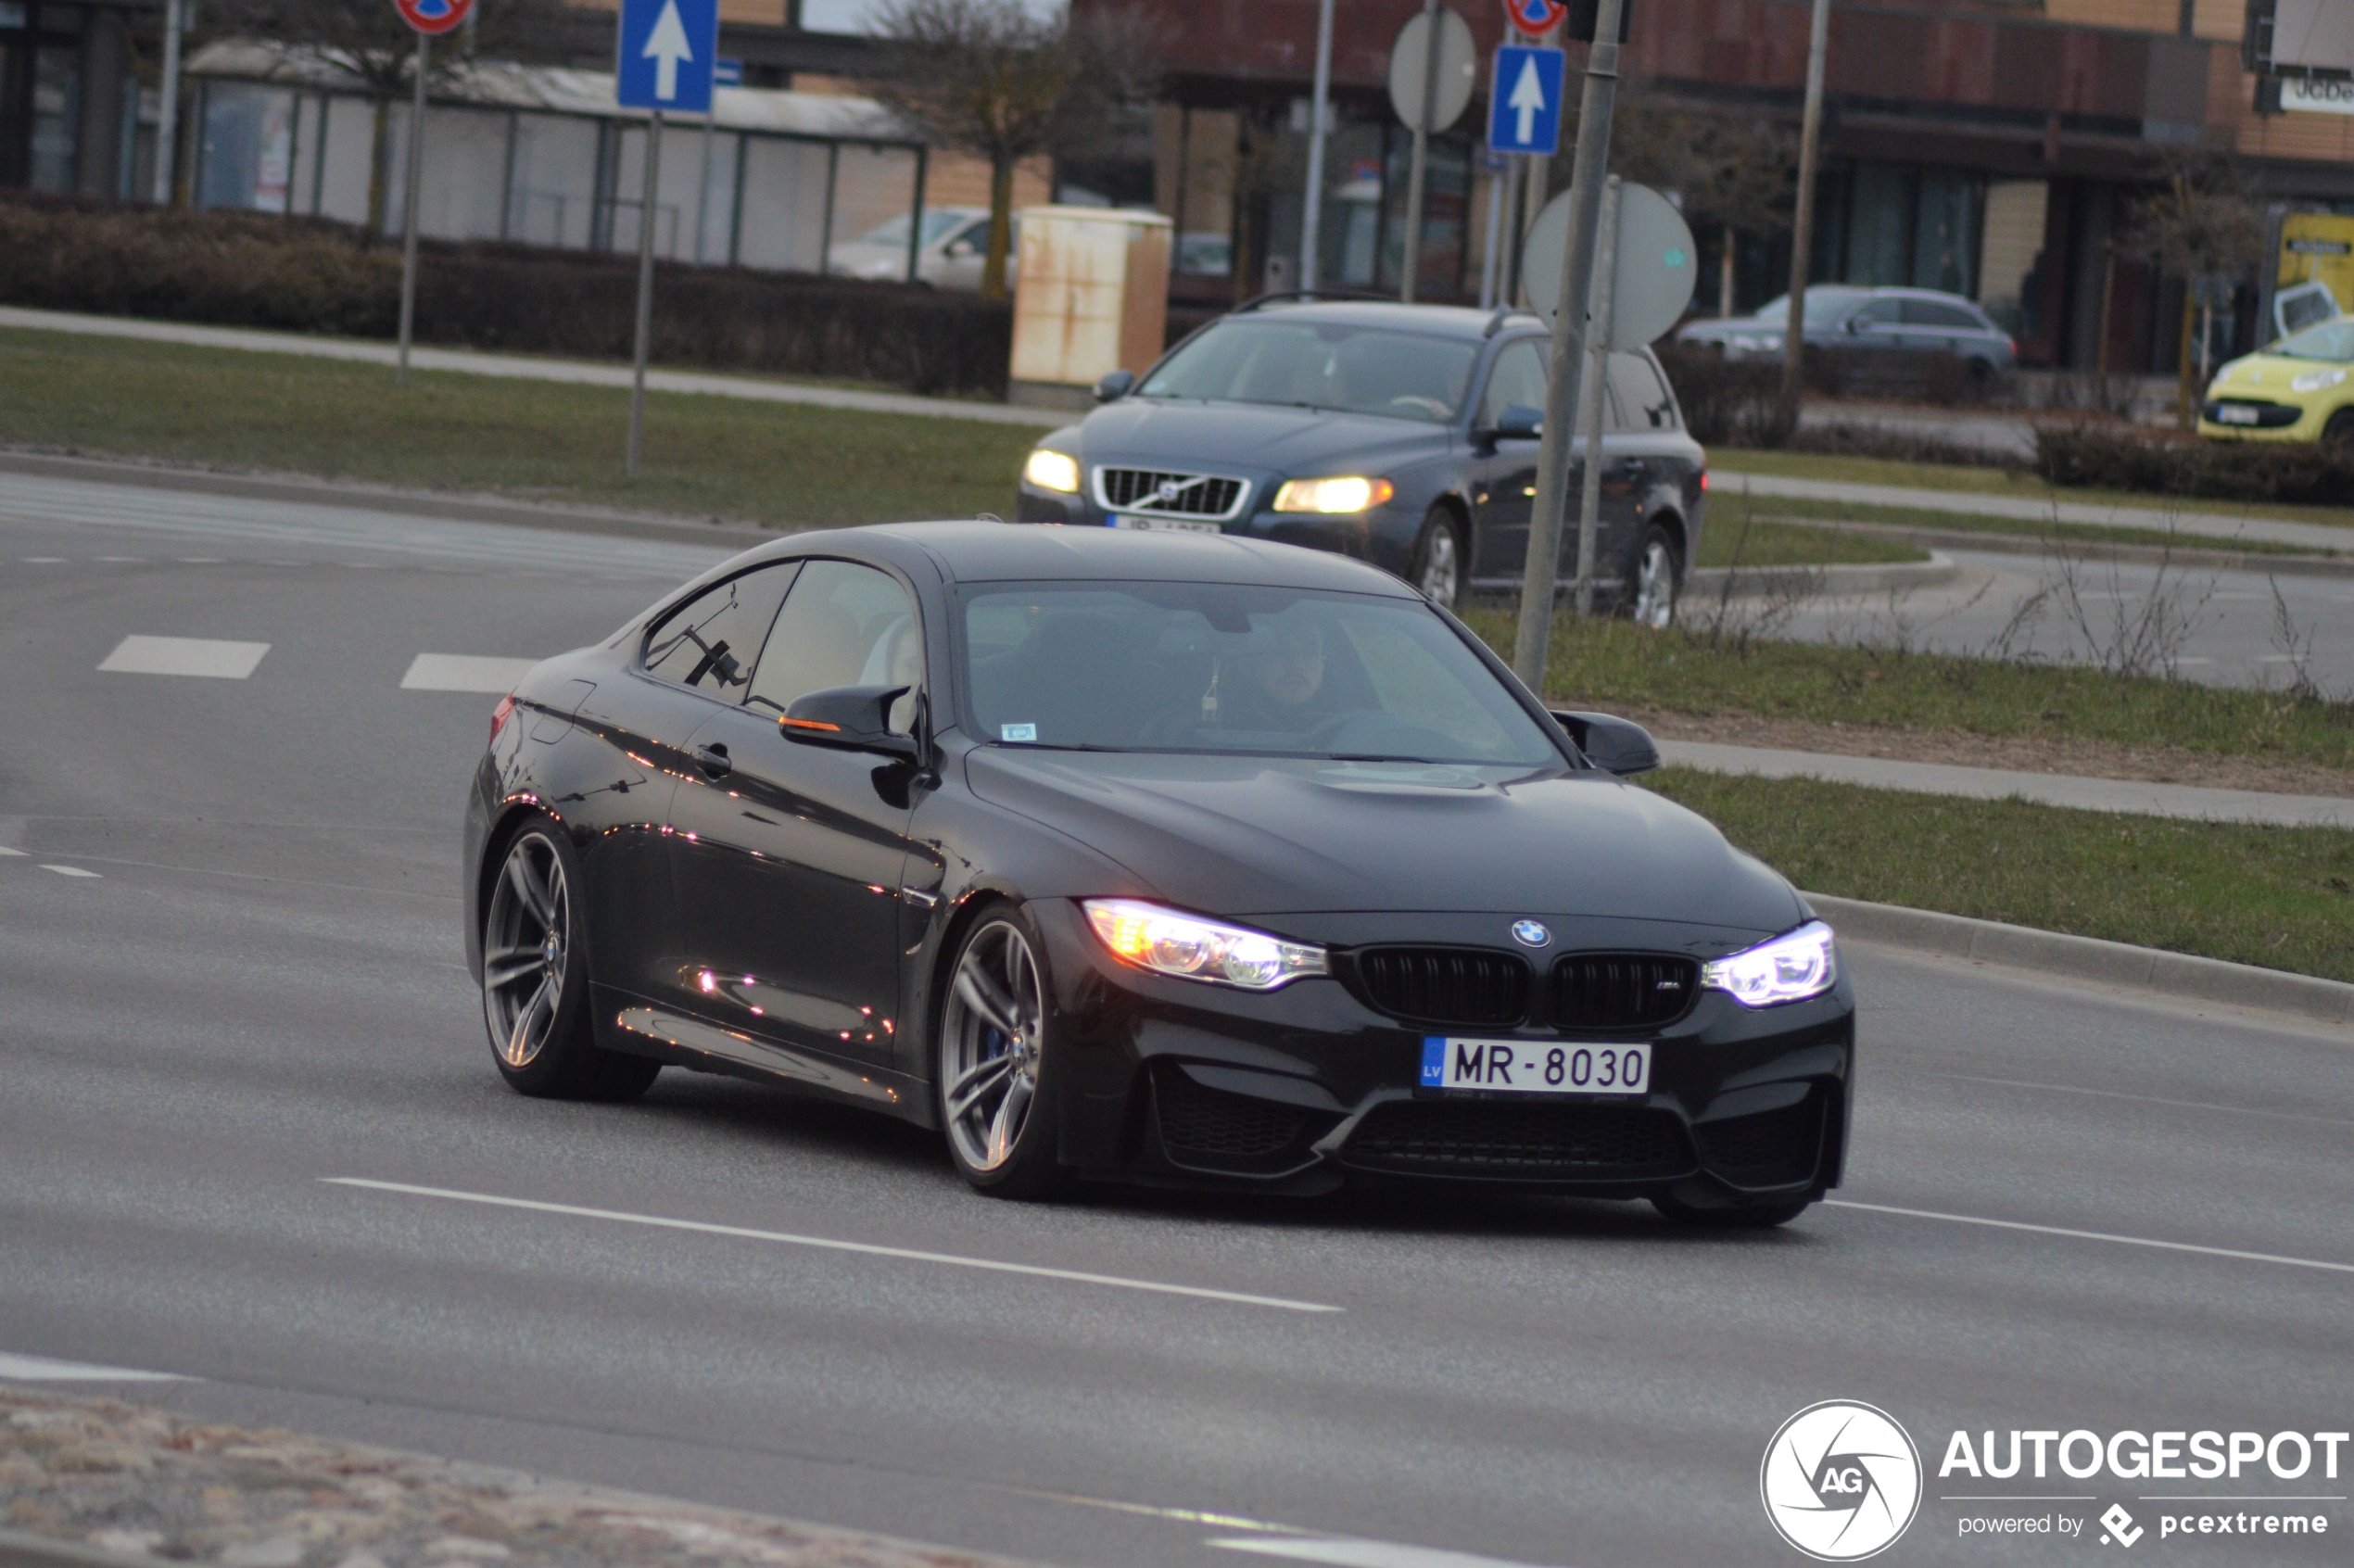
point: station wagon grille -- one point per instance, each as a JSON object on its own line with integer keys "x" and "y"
{"x": 1169, "y": 494}
{"x": 1622, "y": 990}
{"x": 1468, "y": 987}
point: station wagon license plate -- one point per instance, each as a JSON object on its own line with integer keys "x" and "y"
{"x": 1166, "y": 525}
{"x": 1534, "y": 1066}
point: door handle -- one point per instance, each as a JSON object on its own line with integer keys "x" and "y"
{"x": 713, "y": 760}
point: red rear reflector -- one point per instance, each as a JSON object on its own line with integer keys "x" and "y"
{"x": 1703, "y": 481}
{"x": 498, "y": 714}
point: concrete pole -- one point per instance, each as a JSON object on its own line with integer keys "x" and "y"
{"x": 1590, "y": 498}
{"x": 1570, "y": 328}
{"x": 1499, "y": 193}
{"x": 409, "y": 207}
{"x": 167, "y": 110}
{"x": 645, "y": 290}
{"x": 1801, "y": 239}
{"x": 1417, "y": 169}
{"x": 702, "y": 191}
{"x": 1311, "y": 216}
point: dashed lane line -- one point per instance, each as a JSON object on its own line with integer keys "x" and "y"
{"x": 2071, "y": 1234}
{"x": 71, "y": 871}
{"x": 212, "y": 658}
{"x": 44, "y": 1368}
{"x": 1348, "y": 1552}
{"x": 464, "y": 672}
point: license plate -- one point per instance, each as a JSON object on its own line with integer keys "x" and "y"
{"x": 1535, "y": 1067}
{"x": 1166, "y": 524}
{"x": 2230, "y": 415}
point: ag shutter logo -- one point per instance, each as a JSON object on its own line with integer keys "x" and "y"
{"x": 2120, "y": 1526}
{"x": 1841, "y": 1481}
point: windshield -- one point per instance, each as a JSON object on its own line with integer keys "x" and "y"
{"x": 937, "y": 221}
{"x": 2332, "y": 341}
{"x": 1321, "y": 365}
{"x": 1211, "y": 667}
{"x": 1824, "y": 307}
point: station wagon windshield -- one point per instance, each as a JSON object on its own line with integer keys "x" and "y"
{"x": 1325, "y": 365}
{"x": 1211, "y": 667}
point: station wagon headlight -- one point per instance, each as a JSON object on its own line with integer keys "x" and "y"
{"x": 1346, "y": 493}
{"x": 1790, "y": 969}
{"x": 2316, "y": 381}
{"x": 1051, "y": 470}
{"x": 1169, "y": 941}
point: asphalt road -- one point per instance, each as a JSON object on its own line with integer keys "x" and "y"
{"x": 256, "y": 989}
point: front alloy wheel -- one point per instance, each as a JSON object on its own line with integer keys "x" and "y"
{"x": 993, "y": 1065}
{"x": 1656, "y": 571}
{"x": 1439, "y": 559}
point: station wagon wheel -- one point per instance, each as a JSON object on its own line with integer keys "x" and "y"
{"x": 534, "y": 979}
{"x": 994, "y": 1066}
{"x": 1659, "y": 571}
{"x": 1437, "y": 567}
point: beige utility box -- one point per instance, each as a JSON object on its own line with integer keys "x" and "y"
{"x": 1091, "y": 297}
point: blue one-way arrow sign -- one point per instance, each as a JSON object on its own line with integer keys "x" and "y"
{"x": 668, "y": 49}
{"x": 1524, "y": 100}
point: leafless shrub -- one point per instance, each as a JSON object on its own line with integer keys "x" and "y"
{"x": 2140, "y": 634}
{"x": 2296, "y": 646}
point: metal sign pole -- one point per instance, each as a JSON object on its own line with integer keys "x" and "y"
{"x": 1801, "y": 239}
{"x": 702, "y": 193}
{"x": 168, "y": 111}
{"x": 1535, "y": 632}
{"x": 1311, "y": 217}
{"x": 1590, "y": 497}
{"x": 645, "y": 289}
{"x": 1416, "y": 168}
{"x": 1499, "y": 184}
{"x": 409, "y": 205}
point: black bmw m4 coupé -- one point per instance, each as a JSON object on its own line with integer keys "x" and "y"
{"x": 1158, "y": 857}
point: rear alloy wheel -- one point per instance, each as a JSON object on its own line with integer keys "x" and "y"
{"x": 996, "y": 1074}
{"x": 535, "y": 980}
{"x": 1761, "y": 1217}
{"x": 2337, "y": 436}
{"x": 1659, "y": 574}
{"x": 1439, "y": 559}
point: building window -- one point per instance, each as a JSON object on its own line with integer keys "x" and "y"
{"x": 56, "y": 116}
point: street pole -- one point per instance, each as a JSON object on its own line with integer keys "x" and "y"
{"x": 1592, "y": 163}
{"x": 409, "y": 207}
{"x": 1311, "y": 217}
{"x": 645, "y": 289}
{"x": 1590, "y": 498}
{"x": 168, "y": 111}
{"x": 702, "y": 191}
{"x": 1498, "y": 191}
{"x": 1415, "y": 169}
{"x": 1801, "y": 239}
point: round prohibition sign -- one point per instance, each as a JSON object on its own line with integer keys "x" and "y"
{"x": 1535, "y": 17}
{"x": 434, "y": 18}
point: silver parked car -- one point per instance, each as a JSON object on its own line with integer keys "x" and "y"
{"x": 953, "y": 243}
{"x": 1847, "y": 318}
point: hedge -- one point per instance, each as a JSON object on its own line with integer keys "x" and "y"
{"x": 245, "y": 269}
{"x": 2248, "y": 470}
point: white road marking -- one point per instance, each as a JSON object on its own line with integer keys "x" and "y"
{"x": 71, "y": 871}
{"x": 204, "y": 656}
{"x": 42, "y": 1369}
{"x": 830, "y": 1245}
{"x": 463, "y": 672}
{"x": 5, "y": 850}
{"x": 200, "y": 560}
{"x": 119, "y": 559}
{"x": 2095, "y": 1236}
{"x": 59, "y": 561}
{"x": 1348, "y": 1553}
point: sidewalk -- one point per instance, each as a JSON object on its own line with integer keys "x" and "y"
{"x": 2183, "y": 800}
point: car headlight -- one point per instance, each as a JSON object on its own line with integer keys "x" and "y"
{"x": 1347, "y": 493}
{"x": 1790, "y": 969}
{"x": 1169, "y": 943}
{"x": 2315, "y": 380}
{"x": 1051, "y": 470}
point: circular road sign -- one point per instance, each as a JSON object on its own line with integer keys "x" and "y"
{"x": 1458, "y": 69}
{"x": 434, "y": 16}
{"x": 1657, "y": 267}
{"x": 1535, "y": 17}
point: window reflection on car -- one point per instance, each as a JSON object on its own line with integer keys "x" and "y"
{"x": 2332, "y": 342}
{"x": 1322, "y": 365}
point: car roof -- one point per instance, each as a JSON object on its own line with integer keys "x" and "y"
{"x": 1451, "y": 321}
{"x": 983, "y": 552}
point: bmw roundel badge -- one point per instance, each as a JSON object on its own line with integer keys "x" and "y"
{"x": 1531, "y": 933}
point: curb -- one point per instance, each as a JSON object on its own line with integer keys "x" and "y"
{"x": 20, "y": 1550}
{"x": 2176, "y": 975}
{"x": 1824, "y": 580}
{"x": 2094, "y": 550}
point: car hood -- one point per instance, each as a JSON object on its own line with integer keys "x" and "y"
{"x": 2268, "y": 375}
{"x": 1293, "y": 442}
{"x": 1244, "y": 836}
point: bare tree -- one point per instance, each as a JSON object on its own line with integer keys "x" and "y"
{"x": 994, "y": 80}
{"x": 1732, "y": 174}
{"x": 2198, "y": 224}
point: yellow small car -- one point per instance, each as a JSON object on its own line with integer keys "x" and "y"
{"x": 2299, "y": 389}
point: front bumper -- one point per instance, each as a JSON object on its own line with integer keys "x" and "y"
{"x": 1384, "y": 535}
{"x": 1173, "y": 1081}
{"x": 2255, "y": 419}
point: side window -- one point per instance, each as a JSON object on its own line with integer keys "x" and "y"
{"x": 842, "y": 625}
{"x": 712, "y": 641}
{"x": 1936, "y": 313}
{"x": 1878, "y": 314}
{"x": 1518, "y": 377}
{"x": 1643, "y": 401}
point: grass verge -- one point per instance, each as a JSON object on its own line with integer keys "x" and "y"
{"x": 1603, "y": 662}
{"x": 2280, "y": 898}
{"x": 1774, "y": 543}
{"x": 782, "y": 464}
{"x": 1792, "y": 507}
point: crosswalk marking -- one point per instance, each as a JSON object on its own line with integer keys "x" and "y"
{"x": 463, "y": 672}
{"x": 70, "y": 871}
{"x": 45, "y": 1369}
{"x": 211, "y": 657}
{"x": 6, "y": 851}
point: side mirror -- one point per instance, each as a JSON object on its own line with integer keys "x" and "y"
{"x": 1519, "y": 423}
{"x": 1114, "y": 385}
{"x": 852, "y": 719}
{"x": 1615, "y": 745}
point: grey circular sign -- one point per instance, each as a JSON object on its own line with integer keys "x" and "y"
{"x": 1658, "y": 267}
{"x": 1458, "y": 69}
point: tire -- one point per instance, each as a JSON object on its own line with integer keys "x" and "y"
{"x": 535, "y": 977}
{"x": 2337, "y": 436}
{"x": 996, "y": 1066}
{"x": 1656, "y": 579}
{"x": 1437, "y": 566}
{"x": 1758, "y": 1217}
